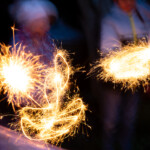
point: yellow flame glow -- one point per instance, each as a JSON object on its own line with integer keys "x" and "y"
{"x": 16, "y": 76}
{"x": 57, "y": 119}
{"x": 130, "y": 66}
{"x": 20, "y": 74}
{"x": 47, "y": 113}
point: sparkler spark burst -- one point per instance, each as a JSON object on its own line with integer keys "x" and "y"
{"x": 62, "y": 115}
{"x": 20, "y": 74}
{"x": 47, "y": 124}
{"x": 130, "y": 66}
{"x": 47, "y": 112}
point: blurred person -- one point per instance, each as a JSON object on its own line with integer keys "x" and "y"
{"x": 35, "y": 18}
{"x": 126, "y": 24}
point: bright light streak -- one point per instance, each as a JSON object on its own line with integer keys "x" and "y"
{"x": 62, "y": 115}
{"x": 130, "y": 66}
{"x": 47, "y": 112}
{"x": 20, "y": 74}
{"x": 16, "y": 76}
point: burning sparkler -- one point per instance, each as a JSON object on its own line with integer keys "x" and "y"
{"x": 130, "y": 66}
{"x": 20, "y": 74}
{"x": 47, "y": 113}
{"x": 57, "y": 119}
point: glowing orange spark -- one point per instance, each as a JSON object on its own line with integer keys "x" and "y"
{"x": 57, "y": 119}
{"x": 130, "y": 66}
{"x": 49, "y": 113}
{"x": 20, "y": 74}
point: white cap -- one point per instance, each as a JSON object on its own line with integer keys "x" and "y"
{"x": 29, "y": 10}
